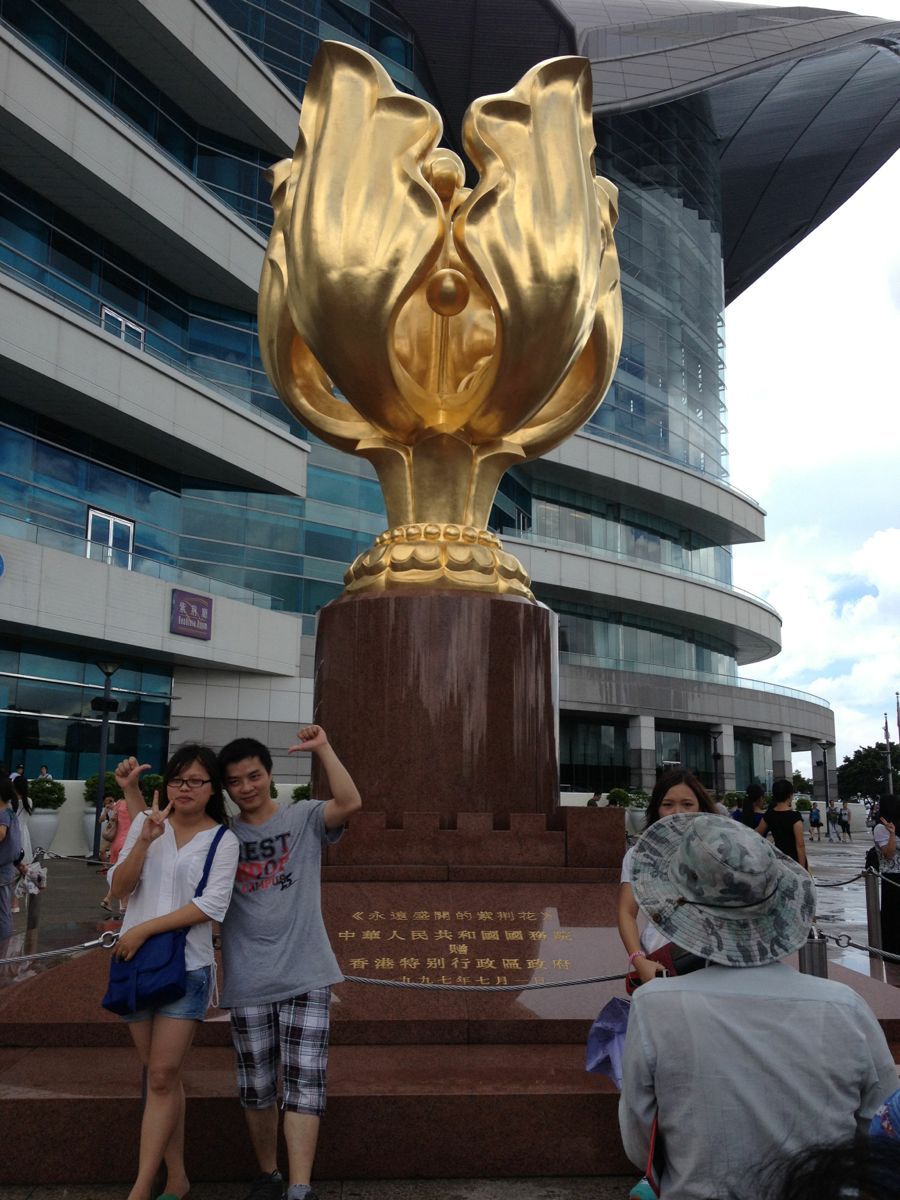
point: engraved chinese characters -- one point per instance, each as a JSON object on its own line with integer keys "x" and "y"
{"x": 443, "y": 333}
{"x": 455, "y": 946}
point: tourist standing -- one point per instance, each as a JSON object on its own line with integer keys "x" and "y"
{"x": 885, "y": 835}
{"x": 10, "y": 858}
{"x": 785, "y": 825}
{"x": 161, "y": 865}
{"x": 727, "y": 1097}
{"x": 832, "y": 816}
{"x": 278, "y": 963}
{"x": 815, "y": 823}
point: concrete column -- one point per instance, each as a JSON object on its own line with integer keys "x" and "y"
{"x": 642, "y": 752}
{"x": 782, "y": 763}
{"x": 818, "y": 774}
{"x": 725, "y": 734}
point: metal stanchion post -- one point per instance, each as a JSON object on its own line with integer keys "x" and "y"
{"x": 813, "y": 956}
{"x": 873, "y": 909}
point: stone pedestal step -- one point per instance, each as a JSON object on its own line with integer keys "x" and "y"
{"x": 393, "y": 1112}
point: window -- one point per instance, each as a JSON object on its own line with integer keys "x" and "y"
{"x": 109, "y": 539}
{"x": 121, "y": 327}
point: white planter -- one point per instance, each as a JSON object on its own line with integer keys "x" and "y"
{"x": 635, "y": 819}
{"x": 42, "y": 825}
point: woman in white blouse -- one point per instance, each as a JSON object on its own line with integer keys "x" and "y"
{"x": 158, "y": 872}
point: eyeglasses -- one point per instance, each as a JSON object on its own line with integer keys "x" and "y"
{"x": 192, "y": 784}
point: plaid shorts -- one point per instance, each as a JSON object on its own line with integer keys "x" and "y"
{"x": 293, "y": 1032}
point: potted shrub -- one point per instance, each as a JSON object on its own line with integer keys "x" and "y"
{"x": 47, "y": 796}
{"x": 300, "y": 792}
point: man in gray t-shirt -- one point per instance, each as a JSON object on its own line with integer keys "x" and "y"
{"x": 278, "y": 963}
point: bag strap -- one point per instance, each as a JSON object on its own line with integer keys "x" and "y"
{"x": 210, "y": 855}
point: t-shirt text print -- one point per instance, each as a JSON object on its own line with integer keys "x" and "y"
{"x": 263, "y": 864}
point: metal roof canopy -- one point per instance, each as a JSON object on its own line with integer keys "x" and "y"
{"x": 806, "y": 102}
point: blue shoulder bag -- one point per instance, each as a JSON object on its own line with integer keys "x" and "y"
{"x": 157, "y": 974}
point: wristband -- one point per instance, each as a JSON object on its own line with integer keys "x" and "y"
{"x": 634, "y": 955}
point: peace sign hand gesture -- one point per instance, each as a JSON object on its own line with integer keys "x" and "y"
{"x": 155, "y": 820}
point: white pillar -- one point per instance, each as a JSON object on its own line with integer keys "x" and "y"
{"x": 642, "y": 752}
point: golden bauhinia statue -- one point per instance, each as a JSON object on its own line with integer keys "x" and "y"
{"x": 444, "y": 333}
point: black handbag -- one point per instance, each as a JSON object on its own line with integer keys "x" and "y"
{"x": 156, "y": 975}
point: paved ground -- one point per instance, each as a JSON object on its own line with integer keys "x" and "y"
{"x": 417, "y": 1189}
{"x": 70, "y": 914}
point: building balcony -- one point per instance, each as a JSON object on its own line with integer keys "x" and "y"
{"x": 733, "y": 617}
{"x": 63, "y": 141}
{"x": 74, "y": 366}
{"x": 50, "y": 593}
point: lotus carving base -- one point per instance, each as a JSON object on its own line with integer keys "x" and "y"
{"x": 439, "y": 556}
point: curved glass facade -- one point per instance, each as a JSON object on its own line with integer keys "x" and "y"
{"x": 231, "y": 169}
{"x": 629, "y": 642}
{"x": 286, "y": 34}
{"x": 50, "y": 250}
{"x": 667, "y": 396}
{"x": 46, "y": 716}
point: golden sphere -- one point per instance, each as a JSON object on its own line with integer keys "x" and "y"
{"x": 447, "y": 292}
{"x": 445, "y": 173}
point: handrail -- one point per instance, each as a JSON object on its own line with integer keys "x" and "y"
{"x": 640, "y": 668}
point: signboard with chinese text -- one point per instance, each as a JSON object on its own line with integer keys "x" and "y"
{"x": 191, "y": 615}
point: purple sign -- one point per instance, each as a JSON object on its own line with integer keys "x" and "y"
{"x": 191, "y": 615}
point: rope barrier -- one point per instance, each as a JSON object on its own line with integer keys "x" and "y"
{"x": 107, "y": 940}
{"x": 843, "y": 941}
{"x": 481, "y": 987}
{"x": 843, "y": 882}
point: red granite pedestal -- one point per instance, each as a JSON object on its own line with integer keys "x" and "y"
{"x": 441, "y": 701}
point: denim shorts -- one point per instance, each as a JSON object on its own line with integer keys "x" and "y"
{"x": 191, "y": 1007}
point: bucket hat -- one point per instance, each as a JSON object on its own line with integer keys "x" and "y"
{"x": 719, "y": 890}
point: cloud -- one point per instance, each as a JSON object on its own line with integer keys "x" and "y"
{"x": 814, "y": 431}
{"x": 840, "y": 644}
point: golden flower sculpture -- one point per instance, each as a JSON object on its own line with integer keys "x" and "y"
{"x": 441, "y": 332}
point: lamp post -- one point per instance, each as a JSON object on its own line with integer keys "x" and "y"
{"x": 104, "y": 705}
{"x": 824, "y": 748}
{"x": 889, "y": 765}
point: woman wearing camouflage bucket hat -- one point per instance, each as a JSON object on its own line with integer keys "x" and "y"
{"x": 718, "y": 1081}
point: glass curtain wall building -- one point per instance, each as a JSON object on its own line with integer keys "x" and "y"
{"x": 144, "y": 455}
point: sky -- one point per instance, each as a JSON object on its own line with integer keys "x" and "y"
{"x": 813, "y": 393}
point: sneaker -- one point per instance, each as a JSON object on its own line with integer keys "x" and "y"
{"x": 266, "y": 1187}
{"x": 642, "y": 1191}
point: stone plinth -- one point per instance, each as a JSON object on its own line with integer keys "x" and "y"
{"x": 441, "y": 701}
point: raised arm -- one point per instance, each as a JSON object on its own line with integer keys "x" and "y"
{"x": 345, "y": 798}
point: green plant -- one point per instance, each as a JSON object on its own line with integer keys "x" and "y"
{"x": 46, "y": 793}
{"x": 111, "y": 788}
{"x": 273, "y": 790}
{"x": 300, "y": 792}
{"x": 151, "y": 784}
{"x": 618, "y": 798}
{"x": 803, "y": 804}
{"x": 734, "y": 799}
{"x": 639, "y": 798}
